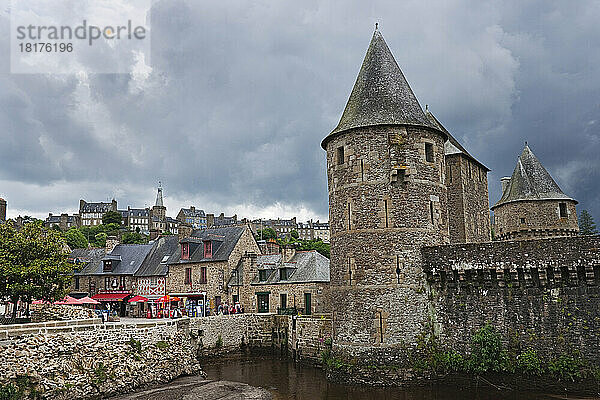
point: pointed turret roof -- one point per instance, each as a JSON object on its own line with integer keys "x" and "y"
{"x": 381, "y": 95}
{"x": 531, "y": 181}
{"x": 452, "y": 146}
{"x": 159, "y": 197}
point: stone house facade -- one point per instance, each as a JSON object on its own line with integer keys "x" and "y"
{"x": 533, "y": 205}
{"x": 2, "y": 210}
{"x": 192, "y": 216}
{"x": 289, "y": 281}
{"x": 205, "y": 261}
{"x": 63, "y": 221}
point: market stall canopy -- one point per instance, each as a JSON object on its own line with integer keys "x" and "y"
{"x": 88, "y": 300}
{"x": 163, "y": 299}
{"x": 68, "y": 300}
{"x": 110, "y": 296}
{"x": 175, "y": 299}
{"x": 137, "y": 299}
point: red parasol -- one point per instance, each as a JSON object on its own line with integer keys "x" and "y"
{"x": 87, "y": 300}
{"x": 137, "y": 299}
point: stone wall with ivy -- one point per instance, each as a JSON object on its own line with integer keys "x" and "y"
{"x": 540, "y": 297}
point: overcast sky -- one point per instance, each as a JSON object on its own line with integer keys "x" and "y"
{"x": 239, "y": 94}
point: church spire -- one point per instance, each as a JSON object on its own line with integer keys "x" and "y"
{"x": 381, "y": 94}
{"x": 159, "y": 196}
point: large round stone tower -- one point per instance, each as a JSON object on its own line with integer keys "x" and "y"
{"x": 387, "y": 199}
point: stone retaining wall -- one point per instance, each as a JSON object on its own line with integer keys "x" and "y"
{"x": 59, "y": 312}
{"x": 84, "y": 359}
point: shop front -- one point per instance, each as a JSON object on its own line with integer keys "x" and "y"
{"x": 115, "y": 302}
{"x": 193, "y": 304}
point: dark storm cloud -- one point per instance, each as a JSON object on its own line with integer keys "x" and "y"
{"x": 240, "y": 93}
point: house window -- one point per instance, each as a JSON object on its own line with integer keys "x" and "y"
{"x": 107, "y": 266}
{"x": 307, "y": 304}
{"x": 76, "y": 283}
{"x": 203, "y": 278}
{"x": 208, "y": 249}
{"x": 340, "y": 155}
{"x": 188, "y": 276}
{"x": 122, "y": 283}
{"x": 236, "y": 298}
{"x": 283, "y": 274}
{"x": 429, "y": 152}
{"x": 522, "y": 220}
{"x": 262, "y": 275}
{"x": 185, "y": 251}
{"x": 106, "y": 283}
{"x": 562, "y": 207}
{"x": 283, "y": 300}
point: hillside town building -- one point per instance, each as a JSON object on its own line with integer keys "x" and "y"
{"x": 91, "y": 213}
{"x": 532, "y": 204}
{"x": 63, "y": 221}
{"x": 196, "y": 218}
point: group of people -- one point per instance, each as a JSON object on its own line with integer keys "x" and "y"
{"x": 226, "y": 308}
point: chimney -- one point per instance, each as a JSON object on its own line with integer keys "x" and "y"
{"x": 184, "y": 230}
{"x": 81, "y": 204}
{"x": 111, "y": 243}
{"x": 288, "y": 252}
{"x": 192, "y": 208}
{"x": 505, "y": 180}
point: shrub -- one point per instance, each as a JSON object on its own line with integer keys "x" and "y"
{"x": 487, "y": 352}
{"x": 219, "y": 342}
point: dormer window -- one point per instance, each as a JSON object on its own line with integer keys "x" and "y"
{"x": 107, "y": 266}
{"x": 185, "y": 251}
{"x": 262, "y": 275}
{"x": 208, "y": 249}
{"x": 283, "y": 275}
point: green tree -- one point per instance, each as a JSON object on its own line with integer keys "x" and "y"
{"x": 100, "y": 239}
{"x": 134, "y": 238}
{"x": 294, "y": 233}
{"x": 33, "y": 264}
{"x": 318, "y": 245}
{"x": 267, "y": 233}
{"x": 587, "y": 226}
{"x": 76, "y": 239}
{"x": 112, "y": 217}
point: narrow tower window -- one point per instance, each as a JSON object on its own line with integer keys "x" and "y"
{"x": 350, "y": 270}
{"x": 428, "y": 152}
{"x": 398, "y": 268}
{"x": 562, "y": 209}
{"x": 362, "y": 170}
{"x": 349, "y": 216}
{"x": 431, "y": 211}
{"x": 450, "y": 173}
{"x": 340, "y": 155}
{"x": 385, "y": 204}
{"x": 381, "y": 326}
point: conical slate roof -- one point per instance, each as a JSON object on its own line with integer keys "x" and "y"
{"x": 531, "y": 181}
{"x": 452, "y": 146}
{"x": 381, "y": 95}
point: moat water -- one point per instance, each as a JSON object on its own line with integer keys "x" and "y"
{"x": 286, "y": 379}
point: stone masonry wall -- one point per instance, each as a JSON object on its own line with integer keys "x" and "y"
{"x": 386, "y": 201}
{"x": 468, "y": 202}
{"x": 542, "y": 293}
{"x": 235, "y": 331}
{"x": 534, "y": 219}
{"x": 61, "y": 312}
{"x": 86, "y": 359}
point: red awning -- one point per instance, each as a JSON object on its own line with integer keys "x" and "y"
{"x": 137, "y": 299}
{"x": 110, "y": 296}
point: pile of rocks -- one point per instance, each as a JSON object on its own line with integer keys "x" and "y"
{"x": 59, "y": 312}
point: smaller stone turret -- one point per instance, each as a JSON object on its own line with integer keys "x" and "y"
{"x": 532, "y": 204}
{"x": 2, "y": 210}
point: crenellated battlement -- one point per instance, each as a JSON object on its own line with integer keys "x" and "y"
{"x": 541, "y": 263}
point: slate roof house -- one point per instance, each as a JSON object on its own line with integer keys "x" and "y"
{"x": 151, "y": 277}
{"x": 205, "y": 260}
{"x": 91, "y": 213}
{"x": 282, "y": 282}
{"x": 532, "y": 204}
